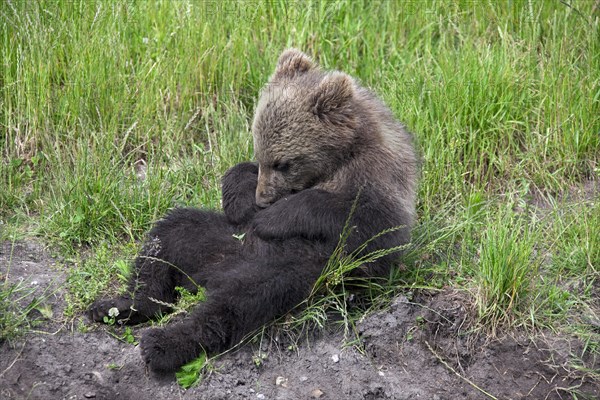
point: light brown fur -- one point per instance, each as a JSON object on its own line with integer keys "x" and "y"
{"x": 328, "y": 133}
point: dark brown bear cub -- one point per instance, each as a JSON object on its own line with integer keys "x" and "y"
{"x": 322, "y": 143}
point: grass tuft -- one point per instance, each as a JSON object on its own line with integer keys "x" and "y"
{"x": 504, "y": 272}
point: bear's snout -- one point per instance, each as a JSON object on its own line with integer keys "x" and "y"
{"x": 263, "y": 199}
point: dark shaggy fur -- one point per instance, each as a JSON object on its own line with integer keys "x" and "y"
{"x": 320, "y": 140}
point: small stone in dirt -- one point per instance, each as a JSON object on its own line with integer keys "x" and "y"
{"x": 316, "y": 394}
{"x": 260, "y": 396}
{"x": 90, "y": 395}
{"x": 281, "y": 381}
{"x": 303, "y": 378}
{"x": 335, "y": 358}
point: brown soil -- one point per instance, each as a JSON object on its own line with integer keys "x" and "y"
{"x": 415, "y": 349}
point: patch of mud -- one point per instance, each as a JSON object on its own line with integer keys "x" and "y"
{"x": 413, "y": 350}
{"x": 27, "y": 264}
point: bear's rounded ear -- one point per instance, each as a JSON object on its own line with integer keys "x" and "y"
{"x": 333, "y": 97}
{"x": 292, "y": 62}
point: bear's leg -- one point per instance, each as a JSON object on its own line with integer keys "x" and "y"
{"x": 186, "y": 248}
{"x": 254, "y": 295}
{"x": 130, "y": 308}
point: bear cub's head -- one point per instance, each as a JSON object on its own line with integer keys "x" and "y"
{"x": 304, "y": 127}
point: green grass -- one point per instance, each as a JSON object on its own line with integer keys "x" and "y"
{"x": 504, "y": 270}
{"x": 91, "y": 275}
{"x": 503, "y": 97}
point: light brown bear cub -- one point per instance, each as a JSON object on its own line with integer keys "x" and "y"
{"x": 322, "y": 144}
{"x": 322, "y": 131}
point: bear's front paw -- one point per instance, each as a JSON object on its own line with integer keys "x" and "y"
{"x": 119, "y": 309}
{"x": 266, "y": 228}
{"x": 165, "y": 350}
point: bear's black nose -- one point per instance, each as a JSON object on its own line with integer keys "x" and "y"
{"x": 262, "y": 200}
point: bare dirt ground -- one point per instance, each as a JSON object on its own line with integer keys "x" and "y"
{"x": 416, "y": 349}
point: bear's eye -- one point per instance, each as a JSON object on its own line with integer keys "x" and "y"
{"x": 281, "y": 166}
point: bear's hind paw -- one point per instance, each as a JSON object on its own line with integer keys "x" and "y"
{"x": 166, "y": 350}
